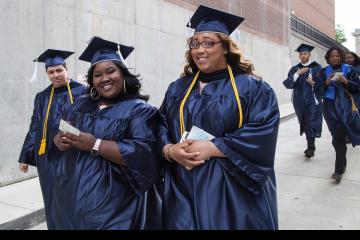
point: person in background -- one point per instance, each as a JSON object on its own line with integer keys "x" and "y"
{"x": 106, "y": 176}
{"x": 353, "y": 59}
{"x": 224, "y": 177}
{"x": 48, "y": 108}
{"x": 339, "y": 86}
{"x": 308, "y": 107}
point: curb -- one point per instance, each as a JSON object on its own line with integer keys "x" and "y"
{"x": 287, "y": 117}
{"x": 25, "y": 222}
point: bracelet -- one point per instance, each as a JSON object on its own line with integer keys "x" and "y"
{"x": 167, "y": 151}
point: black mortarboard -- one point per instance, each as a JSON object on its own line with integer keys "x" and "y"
{"x": 207, "y": 19}
{"x": 304, "y": 48}
{"x": 52, "y": 57}
{"x": 101, "y": 50}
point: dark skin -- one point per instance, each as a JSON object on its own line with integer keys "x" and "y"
{"x": 108, "y": 82}
{"x": 335, "y": 60}
{"x": 108, "y": 149}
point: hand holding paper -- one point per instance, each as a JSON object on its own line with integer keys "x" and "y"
{"x": 196, "y": 134}
{"x": 65, "y": 127}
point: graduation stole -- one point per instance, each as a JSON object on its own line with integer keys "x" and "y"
{"x": 233, "y": 84}
{"x": 43, "y": 140}
{"x": 345, "y": 69}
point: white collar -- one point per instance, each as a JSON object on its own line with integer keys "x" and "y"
{"x": 306, "y": 64}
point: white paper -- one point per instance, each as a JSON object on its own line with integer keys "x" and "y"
{"x": 65, "y": 127}
{"x": 196, "y": 134}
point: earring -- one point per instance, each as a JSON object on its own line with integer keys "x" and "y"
{"x": 94, "y": 94}
{"x": 124, "y": 87}
{"x": 226, "y": 52}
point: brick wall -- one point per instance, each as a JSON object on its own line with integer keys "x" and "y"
{"x": 270, "y": 18}
{"x": 320, "y": 14}
{"x": 265, "y": 18}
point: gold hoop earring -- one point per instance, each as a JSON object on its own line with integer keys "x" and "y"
{"x": 94, "y": 94}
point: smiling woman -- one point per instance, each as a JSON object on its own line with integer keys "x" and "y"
{"x": 107, "y": 174}
{"x": 227, "y": 182}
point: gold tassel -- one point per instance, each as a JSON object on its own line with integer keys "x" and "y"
{"x": 42, "y": 147}
{"x": 238, "y": 100}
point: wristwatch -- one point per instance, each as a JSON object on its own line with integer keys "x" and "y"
{"x": 95, "y": 150}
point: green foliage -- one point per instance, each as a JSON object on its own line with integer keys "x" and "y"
{"x": 340, "y": 34}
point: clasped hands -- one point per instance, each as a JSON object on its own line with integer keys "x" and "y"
{"x": 66, "y": 141}
{"x": 191, "y": 153}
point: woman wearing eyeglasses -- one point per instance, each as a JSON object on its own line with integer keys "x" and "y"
{"x": 222, "y": 176}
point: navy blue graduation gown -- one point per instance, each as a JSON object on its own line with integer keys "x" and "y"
{"x": 309, "y": 113}
{"x": 338, "y": 112}
{"x": 94, "y": 193}
{"x": 357, "y": 69}
{"x": 236, "y": 192}
{"x": 29, "y": 152}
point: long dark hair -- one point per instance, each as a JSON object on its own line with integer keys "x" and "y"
{"x": 356, "y": 57}
{"x": 132, "y": 82}
{"x": 234, "y": 58}
{"x": 339, "y": 50}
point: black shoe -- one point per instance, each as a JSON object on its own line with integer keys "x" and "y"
{"x": 337, "y": 177}
{"x": 309, "y": 153}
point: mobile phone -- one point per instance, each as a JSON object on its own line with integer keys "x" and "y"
{"x": 336, "y": 76}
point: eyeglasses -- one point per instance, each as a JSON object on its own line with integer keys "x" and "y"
{"x": 204, "y": 44}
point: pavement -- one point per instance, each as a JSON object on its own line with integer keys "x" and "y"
{"x": 307, "y": 197}
{"x": 21, "y": 205}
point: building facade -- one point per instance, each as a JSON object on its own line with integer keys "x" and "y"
{"x": 356, "y": 35}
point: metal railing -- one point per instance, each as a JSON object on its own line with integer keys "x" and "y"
{"x": 305, "y": 29}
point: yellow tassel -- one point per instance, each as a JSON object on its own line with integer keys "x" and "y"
{"x": 42, "y": 147}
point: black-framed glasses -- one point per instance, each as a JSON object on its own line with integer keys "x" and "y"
{"x": 204, "y": 44}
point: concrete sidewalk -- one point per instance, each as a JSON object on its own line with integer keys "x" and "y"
{"x": 307, "y": 196}
{"x": 21, "y": 204}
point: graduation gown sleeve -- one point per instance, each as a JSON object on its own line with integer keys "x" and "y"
{"x": 138, "y": 150}
{"x": 354, "y": 81}
{"x": 164, "y": 137}
{"x": 250, "y": 150}
{"x": 290, "y": 82}
{"x": 27, "y": 154}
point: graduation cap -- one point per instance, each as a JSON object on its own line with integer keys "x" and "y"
{"x": 52, "y": 57}
{"x": 304, "y": 48}
{"x": 207, "y": 19}
{"x": 101, "y": 50}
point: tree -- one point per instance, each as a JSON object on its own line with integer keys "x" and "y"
{"x": 340, "y": 34}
